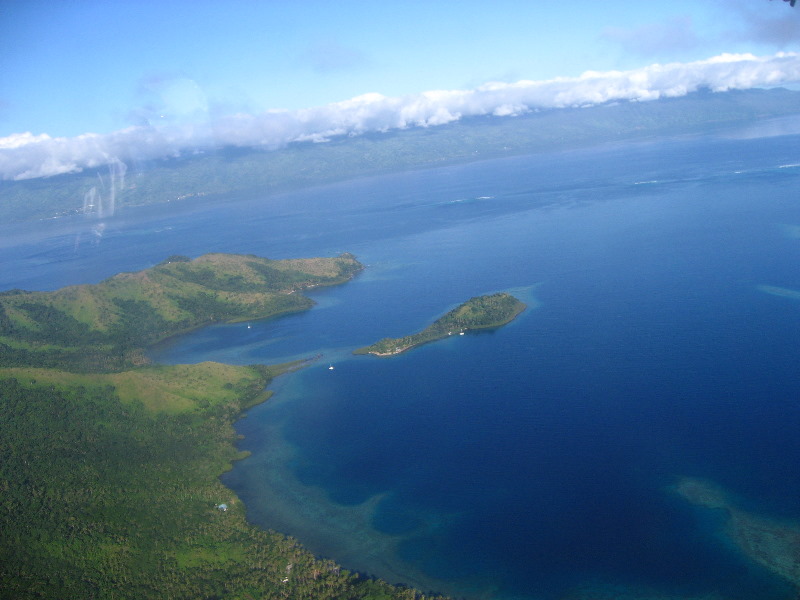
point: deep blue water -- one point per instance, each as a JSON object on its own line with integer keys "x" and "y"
{"x": 534, "y": 461}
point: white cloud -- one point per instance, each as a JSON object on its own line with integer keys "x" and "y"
{"x": 22, "y": 139}
{"x": 24, "y": 155}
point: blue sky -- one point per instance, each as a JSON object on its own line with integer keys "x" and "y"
{"x": 71, "y": 68}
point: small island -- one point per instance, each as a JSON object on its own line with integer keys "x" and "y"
{"x": 480, "y": 312}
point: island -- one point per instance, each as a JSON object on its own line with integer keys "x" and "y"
{"x": 110, "y": 465}
{"x": 480, "y": 312}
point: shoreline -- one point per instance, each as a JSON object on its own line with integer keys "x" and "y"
{"x": 153, "y": 441}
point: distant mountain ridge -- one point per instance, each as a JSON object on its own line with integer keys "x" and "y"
{"x": 228, "y": 171}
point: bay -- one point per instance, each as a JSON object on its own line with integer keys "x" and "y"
{"x": 537, "y": 460}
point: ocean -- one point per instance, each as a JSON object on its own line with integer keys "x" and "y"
{"x": 538, "y": 460}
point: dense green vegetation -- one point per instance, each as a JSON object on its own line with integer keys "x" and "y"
{"x": 104, "y": 327}
{"x": 109, "y": 481}
{"x": 230, "y": 172}
{"x": 103, "y": 496}
{"x": 480, "y": 312}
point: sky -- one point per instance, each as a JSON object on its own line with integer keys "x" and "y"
{"x": 88, "y": 82}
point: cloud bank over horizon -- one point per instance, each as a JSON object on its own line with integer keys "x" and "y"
{"x": 27, "y": 155}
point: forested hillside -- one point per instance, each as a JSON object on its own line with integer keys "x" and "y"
{"x": 107, "y": 497}
{"x": 105, "y": 326}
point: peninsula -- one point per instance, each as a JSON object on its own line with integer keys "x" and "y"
{"x": 106, "y": 326}
{"x": 480, "y": 312}
{"x": 109, "y": 466}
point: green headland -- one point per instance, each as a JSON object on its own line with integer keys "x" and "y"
{"x": 109, "y": 466}
{"x": 480, "y": 312}
{"x": 106, "y": 326}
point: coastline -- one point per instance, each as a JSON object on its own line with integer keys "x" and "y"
{"x": 125, "y": 466}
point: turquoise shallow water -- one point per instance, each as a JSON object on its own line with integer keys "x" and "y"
{"x": 534, "y": 461}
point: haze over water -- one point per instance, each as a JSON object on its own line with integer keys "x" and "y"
{"x": 537, "y": 460}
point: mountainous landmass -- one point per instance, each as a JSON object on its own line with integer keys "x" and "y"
{"x": 233, "y": 172}
{"x": 480, "y": 312}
